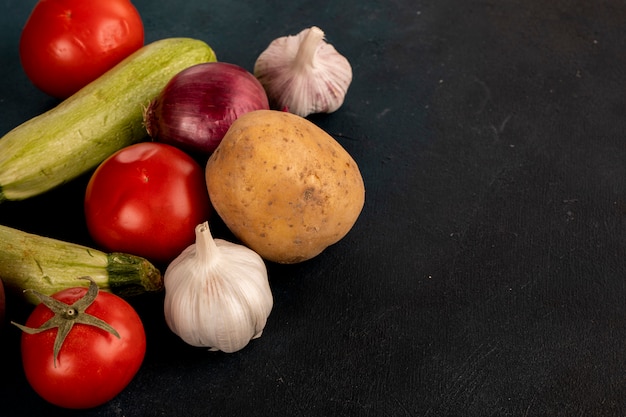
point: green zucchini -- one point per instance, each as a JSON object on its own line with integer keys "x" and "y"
{"x": 47, "y": 265}
{"x": 101, "y": 118}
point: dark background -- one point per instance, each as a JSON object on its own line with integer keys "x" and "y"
{"x": 486, "y": 274}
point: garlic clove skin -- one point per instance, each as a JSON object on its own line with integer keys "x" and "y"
{"x": 304, "y": 74}
{"x": 217, "y": 294}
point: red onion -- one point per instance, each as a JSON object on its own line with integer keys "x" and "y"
{"x": 198, "y": 105}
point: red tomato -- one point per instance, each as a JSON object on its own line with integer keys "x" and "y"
{"x": 147, "y": 199}
{"x": 66, "y": 44}
{"x": 92, "y": 366}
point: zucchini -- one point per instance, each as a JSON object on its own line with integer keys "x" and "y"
{"x": 101, "y": 118}
{"x": 47, "y": 265}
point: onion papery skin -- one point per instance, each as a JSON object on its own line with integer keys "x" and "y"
{"x": 198, "y": 105}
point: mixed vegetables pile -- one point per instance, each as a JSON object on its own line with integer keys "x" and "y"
{"x": 172, "y": 139}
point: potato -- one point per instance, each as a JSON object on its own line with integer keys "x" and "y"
{"x": 283, "y": 186}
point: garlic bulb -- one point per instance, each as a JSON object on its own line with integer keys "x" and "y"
{"x": 217, "y": 294}
{"x": 303, "y": 74}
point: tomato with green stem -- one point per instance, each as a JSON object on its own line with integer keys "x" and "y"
{"x": 81, "y": 347}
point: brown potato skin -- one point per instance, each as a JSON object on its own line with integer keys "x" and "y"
{"x": 283, "y": 186}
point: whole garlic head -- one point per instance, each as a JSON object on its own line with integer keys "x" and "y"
{"x": 303, "y": 73}
{"x": 217, "y": 294}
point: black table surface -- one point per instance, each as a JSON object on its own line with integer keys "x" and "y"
{"x": 486, "y": 275}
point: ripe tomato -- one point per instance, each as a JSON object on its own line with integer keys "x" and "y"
{"x": 66, "y": 44}
{"x": 92, "y": 365}
{"x": 147, "y": 199}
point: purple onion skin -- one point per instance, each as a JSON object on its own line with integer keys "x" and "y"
{"x": 198, "y": 105}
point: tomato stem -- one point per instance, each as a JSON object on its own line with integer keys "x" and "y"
{"x": 65, "y": 316}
